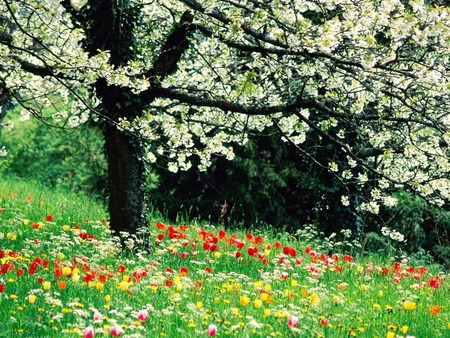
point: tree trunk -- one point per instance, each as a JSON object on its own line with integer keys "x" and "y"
{"x": 126, "y": 177}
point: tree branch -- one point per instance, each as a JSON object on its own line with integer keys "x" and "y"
{"x": 222, "y": 103}
{"x": 174, "y": 47}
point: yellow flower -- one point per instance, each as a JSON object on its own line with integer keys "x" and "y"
{"x": 257, "y": 303}
{"x": 409, "y": 306}
{"x": 124, "y": 285}
{"x": 46, "y": 285}
{"x": 31, "y": 299}
{"x": 363, "y": 287}
{"x": 217, "y": 254}
{"x": 377, "y": 306}
{"x": 13, "y": 297}
{"x": 11, "y": 236}
{"x": 199, "y": 305}
{"x": 107, "y": 298}
{"x": 404, "y": 329}
{"x": 244, "y": 300}
{"x": 61, "y": 256}
{"x": 380, "y": 293}
{"x": 99, "y": 286}
{"x": 66, "y": 228}
{"x": 390, "y": 335}
{"x": 293, "y": 283}
{"x": 266, "y": 312}
{"x": 66, "y": 271}
{"x": 258, "y": 284}
{"x": 314, "y": 299}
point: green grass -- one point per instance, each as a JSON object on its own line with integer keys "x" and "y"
{"x": 57, "y": 272}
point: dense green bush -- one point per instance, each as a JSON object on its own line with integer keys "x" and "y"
{"x": 68, "y": 158}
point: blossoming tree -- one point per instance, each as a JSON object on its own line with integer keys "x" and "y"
{"x": 186, "y": 79}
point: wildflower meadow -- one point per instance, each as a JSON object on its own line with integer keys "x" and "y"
{"x": 63, "y": 275}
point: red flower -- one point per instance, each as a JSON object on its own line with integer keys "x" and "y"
{"x": 33, "y": 268}
{"x": 249, "y": 236}
{"x": 222, "y": 234}
{"x": 2, "y": 287}
{"x": 258, "y": 240}
{"x": 238, "y": 254}
{"x": 161, "y": 226}
{"x": 169, "y": 283}
{"x": 252, "y": 251}
{"x": 208, "y": 270}
{"x": 434, "y": 283}
{"x": 348, "y": 258}
{"x": 40, "y": 280}
{"x": 183, "y": 271}
{"x": 49, "y": 218}
{"x": 277, "y": 245}
{"x": 121, "y": 268}
{"x": 397, "y": 266}
{"x": 19, "y": 272}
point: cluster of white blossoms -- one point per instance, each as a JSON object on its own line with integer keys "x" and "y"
{"x": 392, "y": 234}
{"x": 374, "y": 73}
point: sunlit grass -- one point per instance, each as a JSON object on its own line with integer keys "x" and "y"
{"x": 62, "y": 275}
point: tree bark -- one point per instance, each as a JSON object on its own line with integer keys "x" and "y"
{"x": 125, "y": 179}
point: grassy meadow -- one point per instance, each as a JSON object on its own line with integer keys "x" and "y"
{"x": 62, "y": 275}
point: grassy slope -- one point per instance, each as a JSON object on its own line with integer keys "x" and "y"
{"x": 57, "y": 272}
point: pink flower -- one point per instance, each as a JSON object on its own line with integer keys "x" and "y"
{"x": 116, "y": 330}
{"x": 88, "y": 332}
{"x": 143, "y": 315}
{"x": 212, "y": 330}
{"x": 97, "y": 316}
{"x": 293, "y": 321}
